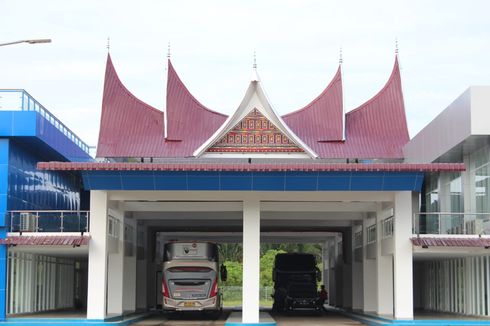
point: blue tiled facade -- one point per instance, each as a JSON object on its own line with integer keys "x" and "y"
{"x": 253, "y": 181}
{"x": 26, "y": 138}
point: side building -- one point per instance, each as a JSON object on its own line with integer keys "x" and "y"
{"x": 453, "y": 232}
{"x": 39, "y": 210}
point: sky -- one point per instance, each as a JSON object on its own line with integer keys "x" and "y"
{"x": 444, "y": 47}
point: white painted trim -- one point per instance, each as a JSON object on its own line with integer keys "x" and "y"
{"x": 255, "y": 98}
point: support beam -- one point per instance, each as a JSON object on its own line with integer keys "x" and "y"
{"x": 405, "y": 204}
{"x": 251, "y": 260}
{"x": 384, "y": 267}
{"x": 97, "y": 261}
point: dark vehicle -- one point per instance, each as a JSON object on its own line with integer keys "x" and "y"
{"x": 295, "y": 279}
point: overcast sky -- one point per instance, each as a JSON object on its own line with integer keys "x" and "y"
{"x": 444, "y": 48}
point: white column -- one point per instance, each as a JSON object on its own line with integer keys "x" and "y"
{"x": 405, "y": 204}
{"x": 369, "y": 281}
{"x": 384, "y": 267}
{"x": 116, "y": 270}
{"x": 251, "y": 260}
{"x": 97, "y": 256}
{"x": 357, "y": 273}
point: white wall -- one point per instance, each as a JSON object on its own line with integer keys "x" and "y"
{"x": 39, "y": 283}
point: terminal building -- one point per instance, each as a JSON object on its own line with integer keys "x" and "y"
{"x": 403, "y": 222}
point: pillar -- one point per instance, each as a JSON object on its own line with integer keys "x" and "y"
{"x": 251, "y": 260}
{"x": 370, "y": 294}
{"x": 405, "y": 204}
{"x": 97, "y": 256}
{"x": 357, "y": 272}
{"x": 116, "y": 268}
{"x": 384, "y": 267}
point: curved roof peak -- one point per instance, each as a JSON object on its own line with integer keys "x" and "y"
{"x": 185, "y": 112}
{"x": 128, "y": 126}
{"x": 323, "y": 118}
{"x": 255, "y": 102}
{"x": 394, "y": 78}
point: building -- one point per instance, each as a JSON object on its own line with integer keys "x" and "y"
{"x": 353, "y": 182}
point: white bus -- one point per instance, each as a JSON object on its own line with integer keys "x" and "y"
{"x": 191, "y": 275}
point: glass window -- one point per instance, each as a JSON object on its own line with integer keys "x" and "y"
{"x": 432, "y": 193}
{"x": 482, "y": 188}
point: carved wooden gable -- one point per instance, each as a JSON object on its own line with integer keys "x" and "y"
{"x": 255, "y": 134}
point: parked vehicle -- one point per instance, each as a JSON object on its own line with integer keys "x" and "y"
{"x": 191, "y": 274}
{"x": 295, "y": 279}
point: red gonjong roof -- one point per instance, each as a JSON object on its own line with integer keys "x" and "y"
{"x": 321, "y": 120}
{"x": 450, "y": 242}
{"x": 314, "y": 167}
{"x": 42, "y": 240}
{"x": 130, "y": 128}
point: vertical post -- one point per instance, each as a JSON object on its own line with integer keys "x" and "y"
{"x": 384, "y": 267}
{"x": 357, "y": 272}
{"x": 369, "y": 280}
{"x": 251, "y": 260}
{"x": 405, "y": 204}
{"x": 97, "y": 257}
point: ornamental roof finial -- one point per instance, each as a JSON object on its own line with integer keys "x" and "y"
{"x": 396, "y": 46}
{"x": 168, "y": 50}
{"x": 255, "y": 60}
{"x": 340, "y": 56}
{"x": 108, "y": 46}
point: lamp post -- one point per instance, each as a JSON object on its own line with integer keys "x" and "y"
{"x": 36, "y": 41}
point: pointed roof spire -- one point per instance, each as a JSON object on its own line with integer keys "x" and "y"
{"x": 168, "y": 51}
{"x": 108, "y": 44}
{"x": 396, "y": 46}
{"x": 255, "y": 75}
{"x": 340, "y": 56}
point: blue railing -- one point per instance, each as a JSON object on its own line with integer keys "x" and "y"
{"x": 49, "y": 221}
{"x": 20, "y": 100}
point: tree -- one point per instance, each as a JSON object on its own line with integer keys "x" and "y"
{"x": 266, "y": 266}
{"x": 234, "y": 269}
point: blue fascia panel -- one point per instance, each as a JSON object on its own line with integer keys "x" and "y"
{"x": 17, "y": 123}
{"x": 54, "y": 138}
{"x": 247, "y": 181}
{"x": 32, "y": 124}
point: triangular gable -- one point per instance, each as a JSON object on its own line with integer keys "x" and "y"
{"x": 256, "y": 101}
{"x": 255, "y": 134}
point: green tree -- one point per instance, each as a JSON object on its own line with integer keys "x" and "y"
{"x": 266, "y": 266}
{"x": 234, "y": 269}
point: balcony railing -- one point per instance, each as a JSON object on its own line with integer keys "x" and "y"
{"x": 49, "y": 221}
{"x": 451, "y": 223}
{"x": 20, "y": 100}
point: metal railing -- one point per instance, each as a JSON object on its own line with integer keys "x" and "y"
{"x": 451, "y": 223}
{"x": 387, "y": 227}
{"x": 20, "y": 100}
{"x": 49, "y": 221}
{"x": 371, "y": 234}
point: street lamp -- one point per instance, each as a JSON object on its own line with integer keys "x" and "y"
{"x": 44, "y": 40}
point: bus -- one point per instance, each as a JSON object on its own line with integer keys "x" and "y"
{"x": 190, "y": 277}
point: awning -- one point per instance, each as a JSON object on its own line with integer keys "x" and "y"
{"x": 451, "y": 242}
{"x": 40, "y": 240}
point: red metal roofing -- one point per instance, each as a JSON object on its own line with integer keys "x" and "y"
{"x": 321, "y": 120}
{"x": 376, "y": 129}
{"x": 451, "y": 242}
{"x": 41, "y": 240}
{"x": 371, "y": 167}
{"x": 128, "y": 126}
{"x": 132, "y": 128}
{"x": 187, "y": 119}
